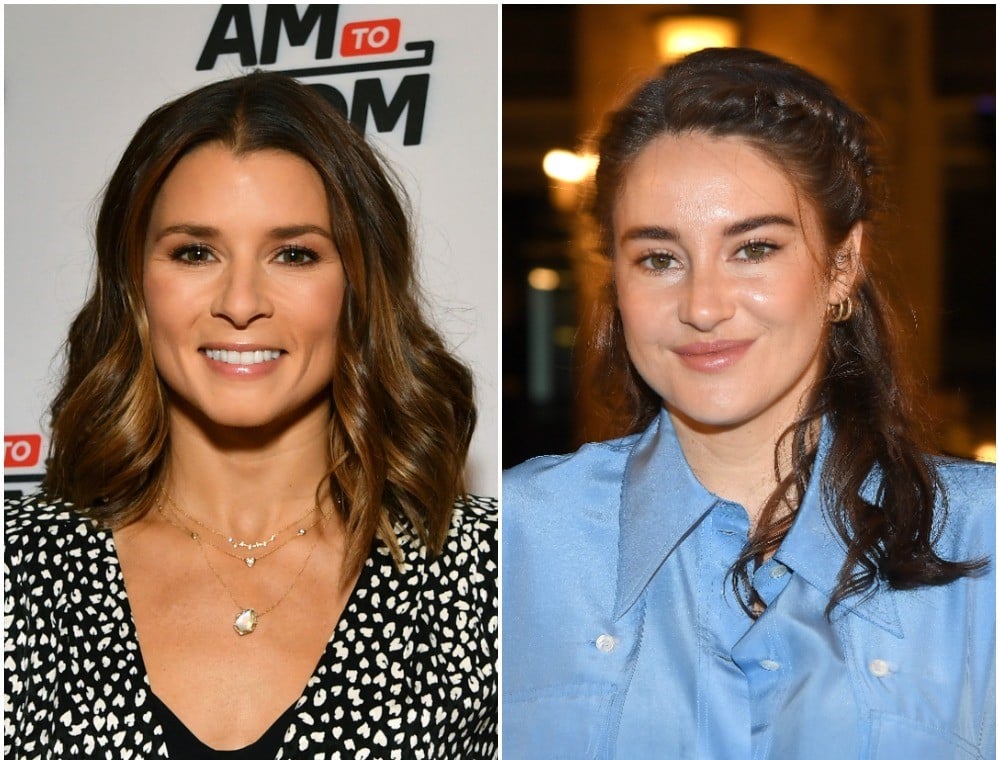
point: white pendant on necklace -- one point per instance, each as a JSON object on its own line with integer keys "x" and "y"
{"x": 246, "y": 622}
{"x": 250, "y": 561}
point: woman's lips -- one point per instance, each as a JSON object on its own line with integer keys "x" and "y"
{"x": 242, "y": 361}
{"x": 241, "y": 357}
{"x": 714, "y": 356}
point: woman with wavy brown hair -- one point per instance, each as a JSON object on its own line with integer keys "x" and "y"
{"x": 253, "y": 538}
{"x": 768, "y": 564}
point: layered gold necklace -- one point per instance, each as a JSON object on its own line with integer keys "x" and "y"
{"x": 247, "y": 618}
{"x": 235, "y": 544}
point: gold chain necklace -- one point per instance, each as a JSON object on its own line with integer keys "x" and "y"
{"x": 247, "y": 618}
{"x": 232, "y": 540}
{"x": 248, "y": 560}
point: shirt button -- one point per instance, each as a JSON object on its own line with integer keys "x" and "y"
{"x": 879, "y": 668}
{"x": 606, "y": 642}
{"x": 778, "y": 571}
{"x": 769, "y": 665}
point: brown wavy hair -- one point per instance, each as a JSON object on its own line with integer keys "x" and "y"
{"x": 403, "y": 405}
{"x": 827, "y": 148}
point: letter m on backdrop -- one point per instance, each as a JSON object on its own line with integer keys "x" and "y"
{"x": 278, "y": 17}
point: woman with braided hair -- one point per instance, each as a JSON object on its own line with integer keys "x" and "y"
{"x": 769, "y": 563}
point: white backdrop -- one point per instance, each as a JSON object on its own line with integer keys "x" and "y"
{"x": 79, "y": 80}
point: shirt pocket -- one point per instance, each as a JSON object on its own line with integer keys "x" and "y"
{"x": 894, "y": 737}
{"x": 565, "y": 722}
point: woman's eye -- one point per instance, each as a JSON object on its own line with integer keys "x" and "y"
{"x": 296, "y": 255}
{"x": 659, "y": 261}
{"x": 193, "y": 254}
{"x": 755, "y": 251}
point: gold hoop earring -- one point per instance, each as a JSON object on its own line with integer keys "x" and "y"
{"x": 842, "y": 311}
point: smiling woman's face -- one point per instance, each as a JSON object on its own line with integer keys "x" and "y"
{"x": 243, "y": 287}
{"x": 721, "y": 282}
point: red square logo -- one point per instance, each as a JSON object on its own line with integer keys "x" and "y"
{"x": 370, "y": 37}
{"x": 22, "y": 450}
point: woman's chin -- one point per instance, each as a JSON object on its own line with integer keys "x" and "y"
{"x": 259, "y": 424}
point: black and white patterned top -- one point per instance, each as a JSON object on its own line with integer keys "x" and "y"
{"x": 410, "y": 671}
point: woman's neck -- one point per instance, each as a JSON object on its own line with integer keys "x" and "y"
{"x": 247, "y": 482}
{"x": 736, "y": 463}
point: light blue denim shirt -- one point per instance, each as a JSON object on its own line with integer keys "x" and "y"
{"x": 623, "y": 639}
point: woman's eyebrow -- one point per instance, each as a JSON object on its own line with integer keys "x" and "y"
{"x": 277, "y": 233}
{"x": 294, "y": 230}
{"x": 651, "y": 232}
{"x": 669, "y": 234}
{"x": 194, "y": 230}
{"x": 753, "y": 222}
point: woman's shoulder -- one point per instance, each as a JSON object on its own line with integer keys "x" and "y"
{"x": 36, "y": 520}
{"x": 465, "y": 572}
{"x": 46, "y": 543}
{"x": 473, "y": 534}
{"x": 969, "y": 497}
{"x": 565, "y": 499}
{"x": 597, "y": 459}
{"x": 472, "y": 537}
{"x": 475, "y": 513}
{"x": 968, "y": 477}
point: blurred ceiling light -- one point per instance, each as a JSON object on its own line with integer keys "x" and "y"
{"x": 541, "y": 278}
{"x": 566, "y": 166}
{"x": 986, "y": 452}
{"x": 676, "y": 36}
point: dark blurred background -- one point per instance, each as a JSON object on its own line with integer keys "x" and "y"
{"x": 925, "y": 74}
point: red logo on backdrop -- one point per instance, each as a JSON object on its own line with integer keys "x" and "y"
{"x": 370, "y": 37}
{"x": 21, "y": 450}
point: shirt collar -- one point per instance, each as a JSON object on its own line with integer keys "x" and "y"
{"x": 662, "y": 502}
{"x": 814, "y": 550}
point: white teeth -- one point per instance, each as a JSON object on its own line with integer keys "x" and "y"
{"x": 241, "y": 357}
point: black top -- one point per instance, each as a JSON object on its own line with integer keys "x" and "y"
{"x": 182, "y": 743}
{"x": 409, "y": 672}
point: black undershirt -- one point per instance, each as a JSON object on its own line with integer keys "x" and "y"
{"x": 181, "y": 743}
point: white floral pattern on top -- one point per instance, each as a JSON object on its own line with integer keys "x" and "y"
{"x": 410, "y": 671}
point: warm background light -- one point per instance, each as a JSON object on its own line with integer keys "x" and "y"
{"x": 566, "y": 166}
{"x": 676, "y": 36}
{"x": 543, "y": 279}
{"x": 986, "y": 452}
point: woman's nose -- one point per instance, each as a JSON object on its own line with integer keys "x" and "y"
{"x": 707, "y": 299}
{"x": 242, "y": 294}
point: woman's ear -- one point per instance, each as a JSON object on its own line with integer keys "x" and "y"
{"x": 847, "y": 265}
